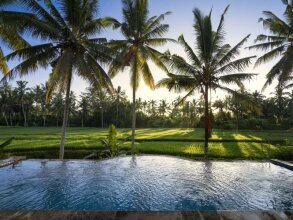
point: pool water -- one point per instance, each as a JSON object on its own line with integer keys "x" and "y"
{"x": 145, "y": 183}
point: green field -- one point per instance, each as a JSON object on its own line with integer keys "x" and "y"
{"x": 44, "y": 142}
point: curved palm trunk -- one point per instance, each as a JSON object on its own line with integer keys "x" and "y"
{"x": 206, "y": 121}
{"x": 65, "y": 117}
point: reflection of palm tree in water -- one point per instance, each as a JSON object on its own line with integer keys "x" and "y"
{"x": 133, "y": 161}
{"x": 56, "y": 186}
{"x": 208, "y": 171}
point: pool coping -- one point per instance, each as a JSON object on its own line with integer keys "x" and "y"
{"x": 127, "y": 215}
{"x": 11, "y": 161}
{"x": 283, "y": 164}
{"x": 161, "y": 155}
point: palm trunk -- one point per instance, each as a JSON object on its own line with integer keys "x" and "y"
{"x": 133, "y": 118}
{"x": 133, "y": 105}
{"x": 82, "y": 121}
{"x": 237, "y": 120}
{"x": 206, "y": 121}
{"x": 24, "y": 115}
{"x": 36, "y": 117}
{"x": 117, "y": 112}
{"x": 292, "y": 103}
{"x": 102, "y": 117}
{"x": 5, "y": 118}
{"x": 11, "y": 120}
{"x": 65, "y": 117}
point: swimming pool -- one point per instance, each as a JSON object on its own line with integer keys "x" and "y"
{"x": 145, "y": 183}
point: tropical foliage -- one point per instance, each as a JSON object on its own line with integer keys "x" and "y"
{"x": 277, "y": 45}
{"x": 68, "y": 30}
{"x": 211, "y": 65}
{"x": 141, "y": 34}
{"x": 66, "y": 38}
{"x": 256, "y": 112}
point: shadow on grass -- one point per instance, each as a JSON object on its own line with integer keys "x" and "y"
{"x": 231, "y": 149}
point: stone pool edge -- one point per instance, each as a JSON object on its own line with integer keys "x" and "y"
{"x": 282, "y": 163}
{"x": 126, "y": 215}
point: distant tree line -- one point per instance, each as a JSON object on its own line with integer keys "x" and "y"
{"x": 24, "y": 106}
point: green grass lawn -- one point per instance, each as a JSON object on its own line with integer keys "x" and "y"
{"x": 44, "y": 142}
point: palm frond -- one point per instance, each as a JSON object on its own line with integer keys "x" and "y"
{"x": 219, "y": 36}
{"x": 233, "y": 52}
{"x": 3, "y": 65}
{"x": 236, "y": 65}
{"x": 191, "y": 55}
{"x": 270, "y": 55}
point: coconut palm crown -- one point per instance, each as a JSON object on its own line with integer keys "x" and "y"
{"x": 68, "y": 31}
{"x": 141, "y": 34}
{"x": 278, "y": 44}
{"x": 211, "y": 65}
{"x": 9, "y": 36}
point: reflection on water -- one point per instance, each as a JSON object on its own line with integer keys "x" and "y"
{"x": 145, "y": 183}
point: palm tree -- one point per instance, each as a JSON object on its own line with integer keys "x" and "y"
{"x": 57, "y": 106}
{"x": 163, "y": 108}
{"x": 277, "y": 44}
{"x": 10, "y": 36}
{"x": 290, "y": 96}
{"x": 5, "y": 100}
{"x": 119, "y": 95}
{"x": 212, "y": 65}
{"x": 44, "y": 103}
{"x": 99, "y": 99}
{"x": 141, "y": 35}
{"x": 69, "y": 31}
{"x": 21, "y": 91}
{"x": 72, "y": 106}
{"x": 37, "y": 92}
{"x": 280, "y": 100}
{"x": 84, "y": 108}
{"x": 152, "y": 108}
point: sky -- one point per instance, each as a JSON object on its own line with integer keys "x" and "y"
{"x": 241, "y": 20}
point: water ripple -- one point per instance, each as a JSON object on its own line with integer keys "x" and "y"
{"x": 146, "y": 183}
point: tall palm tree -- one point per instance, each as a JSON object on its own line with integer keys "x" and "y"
{"x": 141, "y": 34}
{"x": 277, "y": 44}
{"x": 69, "y": 31}
{"x": 210, "y": 66}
